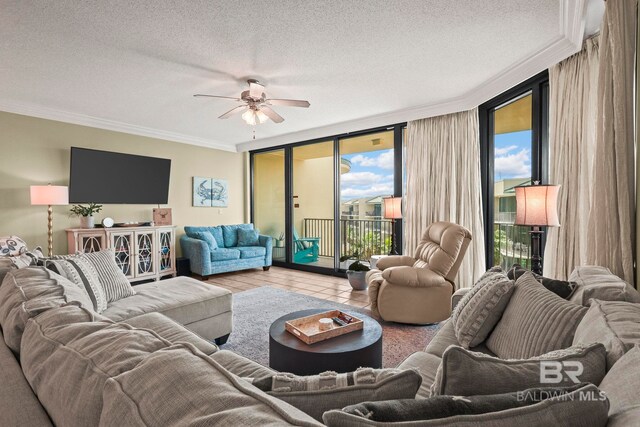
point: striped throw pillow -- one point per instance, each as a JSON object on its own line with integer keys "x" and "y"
{"x": 114, "y": 282}
{"x": 80, "y": 271}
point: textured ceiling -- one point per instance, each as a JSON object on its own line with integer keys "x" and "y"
{"x": 138, "y": 63}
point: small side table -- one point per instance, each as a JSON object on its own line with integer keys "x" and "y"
{"x": 374, "y": 260}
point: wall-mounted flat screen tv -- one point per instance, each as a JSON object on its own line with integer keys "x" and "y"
{"x": 106, "y": 177}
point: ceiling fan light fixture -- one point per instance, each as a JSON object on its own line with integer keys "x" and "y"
{"x": 253, "y": 117}
{"x": 261, "y": 116}
{"x": 249, "y": 117}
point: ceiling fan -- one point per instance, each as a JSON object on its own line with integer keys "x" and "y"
{"x": 256, "y": 107}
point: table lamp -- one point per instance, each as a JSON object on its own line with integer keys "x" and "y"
{"x": 49, "y": 195}
{"x": 536, "y": 206}
{"x": 393, "y": 211}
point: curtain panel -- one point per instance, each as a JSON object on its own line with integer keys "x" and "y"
{"x": 572, "y": 140}
{"x": 443, "y": 184}
{"x": 612, "y": 214}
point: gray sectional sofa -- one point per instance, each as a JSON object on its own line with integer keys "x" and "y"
{"x": 137, "y": 365}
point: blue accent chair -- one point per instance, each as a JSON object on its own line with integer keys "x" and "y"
{"x": 229, "y": 256}
{"x": 306, "y": 249}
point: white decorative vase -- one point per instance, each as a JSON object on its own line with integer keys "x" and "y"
{"x": 87, "y": 222}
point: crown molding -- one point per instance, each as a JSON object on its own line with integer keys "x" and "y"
{"x": 568, "y": 42}
{"x": 112, "y": 125}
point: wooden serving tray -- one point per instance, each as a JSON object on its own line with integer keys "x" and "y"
{"x": 307, "y": 329}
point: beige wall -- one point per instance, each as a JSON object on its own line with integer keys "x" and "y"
{"x": 35, "y": 151}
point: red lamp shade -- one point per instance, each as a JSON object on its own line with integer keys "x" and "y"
{"x": 536, "y": 205}
{"x": 392, "y": 207}
{"x": 49, "y": 195}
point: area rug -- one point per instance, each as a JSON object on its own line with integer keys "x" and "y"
{"x": 256, "y": 309}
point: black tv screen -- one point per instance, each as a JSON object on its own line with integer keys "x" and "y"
{"x": 105, "y": 177}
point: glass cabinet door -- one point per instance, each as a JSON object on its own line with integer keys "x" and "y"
{"x": 122, "y": 244}
{"x": 145, "y": 259}
{"x": 91, "y": 242}
{"x": 165, "y": 250}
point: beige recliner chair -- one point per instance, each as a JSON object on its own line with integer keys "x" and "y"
{"x": 418, "y": 289}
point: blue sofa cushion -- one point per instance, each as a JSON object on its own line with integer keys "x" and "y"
{"x": 207, "y": 238}
{"x": 230, "y": 234}
{"x": 252, "y": 251}
{"x": 225, "y": 254}
{"x": 247, "y": 237}
{"x": 215, "y": 231}
{"x": 217, "y": 234}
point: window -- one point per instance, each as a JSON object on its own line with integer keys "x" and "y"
{"x": 513, "y": 137}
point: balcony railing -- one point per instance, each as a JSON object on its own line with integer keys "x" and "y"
{"x": 504, "y": 217}
{"x": 511, "y": 245}
{"x": 372, "y": 237}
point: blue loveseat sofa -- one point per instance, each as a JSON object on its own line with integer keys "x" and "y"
{"x": 228, "y": 256}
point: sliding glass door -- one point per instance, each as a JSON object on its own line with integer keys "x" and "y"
{"x": 324, "y": 197}
{"x": 369, "y": 178}
{"x": 269, "y": 198}
{"x": 313, "y": 204}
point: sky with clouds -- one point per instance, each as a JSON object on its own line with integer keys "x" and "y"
{"x": 512, "y": 155}
{"x": 371, "y": 175}
{"x": 372, "y": 172}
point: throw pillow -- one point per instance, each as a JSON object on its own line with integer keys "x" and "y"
{"x": 621, "y": 386}
{"x": 559, "y": 287}
{"x": 467, "y": 373}
{"x": 206, "y": 237}
{"x": 535, "y": 322}
{"x": 81, "y": 272}
{"x": 531, "y": 407}
{"x": 317, "y": 394}
{"x": 12, "y": 246}
{"x": 247, "y": 237}
{"x": 115, "y": 284}
{"x": 480, "y": 309}
{"x": 616, "y": 324}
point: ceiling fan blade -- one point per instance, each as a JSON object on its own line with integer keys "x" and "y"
{"x": 233, "y": 111}
{"x": 289, "y": 102}
{"x": 275, "y": 117}
{"x": 255, "y": 90}
{"x": 199, "y": 95}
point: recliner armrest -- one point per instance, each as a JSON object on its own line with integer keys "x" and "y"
{"x": 412, "y": 276}
{"x": 395, "y": 261}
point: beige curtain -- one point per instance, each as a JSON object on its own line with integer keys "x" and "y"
{"x": 611, "y": 218}
{"x": 443, "y": 183}
{"x": 572, "y": 140}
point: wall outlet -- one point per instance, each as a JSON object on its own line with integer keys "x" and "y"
{"x": 219, "y": 211}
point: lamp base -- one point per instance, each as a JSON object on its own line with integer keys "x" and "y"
{"x": 536, "y": 253}
{"x": 393, "y": 250}
{"x": 50, "y": 230}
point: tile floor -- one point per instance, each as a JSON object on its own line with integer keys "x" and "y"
{"x": 317, "y": 285}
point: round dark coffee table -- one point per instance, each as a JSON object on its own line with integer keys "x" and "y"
{"x": 345, "y": 353}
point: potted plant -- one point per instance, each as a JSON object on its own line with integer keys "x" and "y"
{"x": 356, "y": 271}
{"x": 280, "y": 241}
{"x": 86, "y": 214}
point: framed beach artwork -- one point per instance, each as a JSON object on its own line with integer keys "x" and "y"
{"x": 219, "y": 193}
{"x": 210, "y": 192}
{"x": 201, "y": 191}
